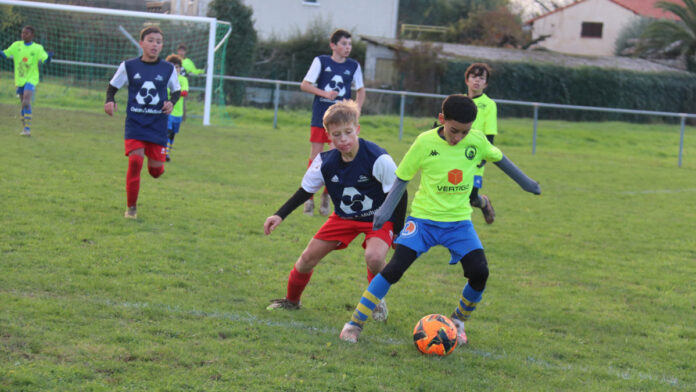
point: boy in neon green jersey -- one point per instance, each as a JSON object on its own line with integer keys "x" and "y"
{"x": 26, "y": 55}
{"x": 176, "y": 117}
{"x": 187, "y": 64}
{"x": 447, "y": 158}
{"x": 476, "y": 78}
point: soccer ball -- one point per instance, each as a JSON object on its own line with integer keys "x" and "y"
{"x": 435, "y": 334}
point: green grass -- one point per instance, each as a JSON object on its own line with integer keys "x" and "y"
{"x": 591, "y": 286}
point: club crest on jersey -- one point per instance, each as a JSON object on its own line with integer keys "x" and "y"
{"x": 353, "y": 201}
{"x": 409, "y": 229}
{"x": 470, "y": 152}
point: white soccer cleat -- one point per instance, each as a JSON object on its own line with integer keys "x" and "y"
{"x": 350, "y": 333}
{"x": 381, "y": 312}
{"x": 325, "y": 206}
{"x": 309, "y": 207}
{"x": 131, "y": 213}
{"x": 461, "y": 335}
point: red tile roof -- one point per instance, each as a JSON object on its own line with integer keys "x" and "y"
{"x": 639, "y": 7}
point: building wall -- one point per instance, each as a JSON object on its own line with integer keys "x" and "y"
{"x": 282, "y": 18}
{"x": 565, "y": 26}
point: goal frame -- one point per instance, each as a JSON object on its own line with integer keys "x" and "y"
{"x": 212, "y": 23}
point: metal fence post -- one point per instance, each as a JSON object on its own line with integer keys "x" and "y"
{"x": 536, "y": 120}
{"x": 276, "y": 100}
{"x": 402, "y": 106}
{"x": 681, "y": 139}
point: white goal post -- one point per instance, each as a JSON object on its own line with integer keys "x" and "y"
{"x": 212, "y": 24}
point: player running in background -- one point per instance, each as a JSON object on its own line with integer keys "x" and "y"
{"x": 148, "y": 79}
{"x": 357, "y": 174}
{"x": 26, "y": 55}
{"x": 176, "y": 117}
{"x": 476, "y": 78}
{"x": 330, "y": 79}
{"x": 187, "y": 65}
{"x": 447, "y": 157}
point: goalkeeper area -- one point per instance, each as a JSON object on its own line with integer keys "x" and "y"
{"x": 89, "y": 44}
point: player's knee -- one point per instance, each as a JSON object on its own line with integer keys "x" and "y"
{"x": 155, "y": 172}
{"x": 476, "y": 269}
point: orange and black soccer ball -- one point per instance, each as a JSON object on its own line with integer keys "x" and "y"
{"x": 435, "y": 334}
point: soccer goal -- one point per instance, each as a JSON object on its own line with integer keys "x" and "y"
{"x": 89, "y": 43}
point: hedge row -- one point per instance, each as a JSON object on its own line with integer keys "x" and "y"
{"x": 586, "y": 86}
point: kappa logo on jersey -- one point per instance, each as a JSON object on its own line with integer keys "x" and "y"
{"x": 147, "y": 95}
{"x": 363, "y": 178}
{"x": 336, "y": 84}
{"x": 409, "y": 229}
{"x": 137, "y": 76}
{"x": 353, "y": 201}
{"x": 434, "y": 153}
{"x": 334, "y": 178}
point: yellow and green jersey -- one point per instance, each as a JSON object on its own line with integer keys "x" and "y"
{"x": 178, "y": 110}
{"x": 487, "y": 115}
{"x": 447, "y": 174}
{"x": 26, "y": 61}
{"x": 190, "y": 67}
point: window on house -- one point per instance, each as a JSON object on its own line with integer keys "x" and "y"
{"x": 591, "y": 30}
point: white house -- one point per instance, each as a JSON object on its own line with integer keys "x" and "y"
{"x": 281, "y": 18}
{"x": 591, "y": 27}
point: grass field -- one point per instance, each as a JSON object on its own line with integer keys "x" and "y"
{"x": 591, "y": 289}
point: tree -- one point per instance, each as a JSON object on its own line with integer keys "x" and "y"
{"x": 239, "y": 58}
{"x": 497, "y": 27}
{"x": 664, "y": 37}
{"x": 442, "y": 12}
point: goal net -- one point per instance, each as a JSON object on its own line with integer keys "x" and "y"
{"x": 89, "y": 43}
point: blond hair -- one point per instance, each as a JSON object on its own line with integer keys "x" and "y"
{"x": 342, "y": 112}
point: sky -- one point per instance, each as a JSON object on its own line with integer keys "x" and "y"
{"x": 531, "y": 8}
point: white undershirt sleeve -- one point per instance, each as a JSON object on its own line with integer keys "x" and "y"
{"x": 313, "y": 180}
{"x": 384, "y": 170}
{"x": 120, "y": 78}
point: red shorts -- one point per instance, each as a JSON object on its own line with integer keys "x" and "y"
{"x": 345, "y": 230}
{"x": 318, "y": 135}
{"x": 152, "y": 151}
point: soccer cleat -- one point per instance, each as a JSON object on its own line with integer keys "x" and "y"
{"x": 488, "y": 211}
{"x": 131, "y": 213}
{"x": 309, "y": 207}
{"x": 325, "y": 207}
{"x": 381, "y": 312}
{"x": 350, "y": 333}
{"x": 283, "y": 303}
{"x": 168, "y": 158}
{"x": 25, "y": 132}
{"x": 461, "y": 334}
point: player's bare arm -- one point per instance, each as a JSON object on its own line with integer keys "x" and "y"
{"x": 308, "y": 87}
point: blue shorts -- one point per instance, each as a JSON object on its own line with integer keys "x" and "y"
{"x": 173, "y": 123}
{"x": 27, "y": 87}
{"x": 459, "y": 237}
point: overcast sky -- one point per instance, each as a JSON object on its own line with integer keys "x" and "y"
{"x": 532, "y": 8}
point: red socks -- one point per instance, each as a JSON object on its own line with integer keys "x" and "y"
{"x": 155, "y": 171}
{"x": 296, "y": 284}
{"x": 135, "y": 164}
{"x": 370, "y": 275}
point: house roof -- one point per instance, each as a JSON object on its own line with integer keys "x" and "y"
{"x": 484, "y": 53}
{"x": 639, "y": 7}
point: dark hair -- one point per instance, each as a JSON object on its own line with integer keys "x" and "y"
{"x": 338, "y": 34}
{"x": 174, "y": 59}
{"x": 459, "y": 107}
{"x": 150, "y": 30}
{"x": 478, "y": 69}
{"x": 182, "y": 46}
{"x": 29, "y": 27}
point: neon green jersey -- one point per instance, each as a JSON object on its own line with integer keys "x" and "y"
{"x": 447, "y": 174}
{"x": 487, "y": 116}
{"x": 190, "y": 67}
{"x": 178, "y": 110}
{"x": 26, "y": 61}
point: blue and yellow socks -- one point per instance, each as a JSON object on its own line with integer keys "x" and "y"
{"x": 377, "y": 289}
{"x": 467, "y": 303}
